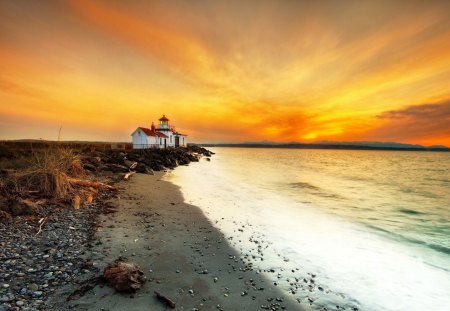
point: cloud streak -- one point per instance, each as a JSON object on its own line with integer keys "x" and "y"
{"x": 425, "y": 112}
{"x": 263, "y": 70}
{"x": 427, "y": 122}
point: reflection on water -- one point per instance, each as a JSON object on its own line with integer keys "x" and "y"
{"x": 374, "y": 225}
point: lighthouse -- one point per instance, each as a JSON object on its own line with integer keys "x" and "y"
{"x": 162, "y": 136}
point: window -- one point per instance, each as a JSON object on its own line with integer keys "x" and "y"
{"x": 160, "y": 141}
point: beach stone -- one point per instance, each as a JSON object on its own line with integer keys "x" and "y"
{"x": 4, "y": 298}
{"x": 124, "y": 276}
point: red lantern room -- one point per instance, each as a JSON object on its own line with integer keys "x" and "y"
{"x": 163, "y": 124}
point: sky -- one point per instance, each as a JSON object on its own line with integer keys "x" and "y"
{"x": 226, "y": 71}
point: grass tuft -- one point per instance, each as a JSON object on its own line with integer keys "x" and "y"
{"x": 48, "y": 173}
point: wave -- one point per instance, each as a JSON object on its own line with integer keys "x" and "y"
{"x": 396, "y": 236}
{"x": 314, "y": 190}
{"x": 410, "y": 211}
{"x": 304, "y": 185}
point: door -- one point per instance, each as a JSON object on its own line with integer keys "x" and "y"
{"x": 177, "y": 141}
{"x": 165, "y": 142}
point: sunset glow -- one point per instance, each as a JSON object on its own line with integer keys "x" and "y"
{"x": 227, "y": 71}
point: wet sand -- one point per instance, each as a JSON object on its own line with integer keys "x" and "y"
{"x": 181, "y": 253}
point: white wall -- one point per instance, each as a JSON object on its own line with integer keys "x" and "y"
{"x": 139, "y": 139}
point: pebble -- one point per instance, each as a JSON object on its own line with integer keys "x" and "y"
{"x": 41, "y": 264}
{"x": 5, "y": 298}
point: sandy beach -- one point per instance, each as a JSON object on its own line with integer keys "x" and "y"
{"x": 181, "y": 253}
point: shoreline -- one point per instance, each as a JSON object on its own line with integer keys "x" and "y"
{"x": 181, "y": 253}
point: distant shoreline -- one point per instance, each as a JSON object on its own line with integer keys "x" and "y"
{"x": 320, "y": 146}
{"x": 37, "y": 144}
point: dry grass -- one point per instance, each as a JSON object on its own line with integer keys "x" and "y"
{"x": 48, "y": 173}
{"x": 53, "y": 175}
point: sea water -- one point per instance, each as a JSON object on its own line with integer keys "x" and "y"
{"x": 371, "y": 228}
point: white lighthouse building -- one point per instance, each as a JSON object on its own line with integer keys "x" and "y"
{"x": 163, "y": 136}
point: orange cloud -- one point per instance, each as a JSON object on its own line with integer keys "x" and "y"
{"x": 425, "y": 123}
{"x": 224, "y": 71}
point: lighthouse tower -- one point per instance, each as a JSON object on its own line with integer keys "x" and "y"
{"x": 163, "y": 125}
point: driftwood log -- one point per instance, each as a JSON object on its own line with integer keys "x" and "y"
{"x": 128, "y": 175}
{"x": 165, "y": 299}
{"x": 89, "y": 183}
{"x": 133, "y": 165}
{"x": 41, "y": 223}
{"x": 124, "y": 276}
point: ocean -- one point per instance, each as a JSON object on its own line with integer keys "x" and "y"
{"x": 349, "y": 228}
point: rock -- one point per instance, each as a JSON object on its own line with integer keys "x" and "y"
{"x": 21, "y": 208}
{"x": 89, "y": 167}
{"x": 33, "y": 287}
{"x": 142, "y": 168}
{"x": 3, "y": 204}
{"x": 128, "y": 163}
{"x": 5, "y": 298}
{"x": 124, "y": 276}
{"x": 5, "y": 216}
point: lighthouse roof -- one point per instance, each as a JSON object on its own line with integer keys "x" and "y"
{"x": 159, "y": 134}
{"x": 150, "y": 132}
{"x": 147, "y": 131}
{"x": 163, "y": 118}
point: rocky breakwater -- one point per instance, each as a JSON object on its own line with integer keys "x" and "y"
{"x": 142, "y": 161}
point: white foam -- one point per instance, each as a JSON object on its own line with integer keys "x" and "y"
{"x": 350, "y": 259}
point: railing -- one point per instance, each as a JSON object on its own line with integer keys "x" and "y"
{"x": 147, "y": 146}
{"x": 154, "y": 146}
